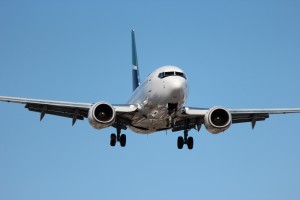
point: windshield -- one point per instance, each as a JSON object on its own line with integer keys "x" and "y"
{"x": 171, "y": 73}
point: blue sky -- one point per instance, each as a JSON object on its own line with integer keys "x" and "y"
{"x": 238, "y": 54}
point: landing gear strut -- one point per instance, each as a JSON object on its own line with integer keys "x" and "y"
{"x": 189, "y": 141}
{"x": 118, "y": 138}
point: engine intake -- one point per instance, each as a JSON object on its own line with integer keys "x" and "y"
{"x": 217, "y": 120}
{"x": 102, "y": 115}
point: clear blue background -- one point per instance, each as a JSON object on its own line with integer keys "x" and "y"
{"x": 238, "y": 54}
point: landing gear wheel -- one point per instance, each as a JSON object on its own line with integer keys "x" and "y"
{"x": 123, "y": 140}
{"x": 113, "y": 140}
{"x": 180, "y": 142}
{"x": 190, "y": 142}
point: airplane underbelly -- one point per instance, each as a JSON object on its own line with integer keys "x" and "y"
{"x": 150, "y": 123}
{"x": 147, "y": 126}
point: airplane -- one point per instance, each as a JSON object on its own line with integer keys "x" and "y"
{"x": 156, "y": 104}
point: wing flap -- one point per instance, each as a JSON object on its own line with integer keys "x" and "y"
{"x": 244, "y": 120}
{"x": 194, "y": 117}
{"x": 58, "y": 111}
{"x": 264, "y": 111}
{"x": 71, "y": 110}
{"x": 45, "y": 102}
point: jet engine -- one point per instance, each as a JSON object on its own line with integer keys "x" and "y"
{"x": 102, "y": 115}
{"x": 217, "y": 120}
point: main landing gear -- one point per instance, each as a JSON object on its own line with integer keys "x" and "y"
{"x": 189, "y": 141}
{"x": 114, "y": 138}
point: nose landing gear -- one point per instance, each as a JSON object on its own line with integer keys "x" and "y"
{"x": 189, "y": 141}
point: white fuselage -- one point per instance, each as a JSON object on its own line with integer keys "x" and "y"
{"x": 159, "y": 98}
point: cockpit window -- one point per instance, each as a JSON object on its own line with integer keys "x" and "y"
{"x": 171, "y": 73}
{"x": 180, "y": 74}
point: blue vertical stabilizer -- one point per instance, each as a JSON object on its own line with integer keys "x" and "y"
{"x": 135, "y": 66}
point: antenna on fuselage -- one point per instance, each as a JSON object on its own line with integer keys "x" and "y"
{"x": 135, "y": 66}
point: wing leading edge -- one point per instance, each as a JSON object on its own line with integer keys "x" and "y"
{"x": 73, "y": 110}
{"x": 194, "y": 117}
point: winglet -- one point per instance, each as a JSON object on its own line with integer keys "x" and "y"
{"x": 135, "y": 66}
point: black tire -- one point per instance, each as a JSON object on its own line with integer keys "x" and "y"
{"x": 123, "y": 140}
{"x": 180, "y": 142}
{"x": 113, "y": 140}
{"x": 190, "y": 143}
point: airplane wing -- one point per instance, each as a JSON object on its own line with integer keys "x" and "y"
{"x": 194, "y": 117}
{"x": 73, "y": 110}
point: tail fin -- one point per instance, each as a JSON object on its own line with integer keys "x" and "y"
{"x": 135, "y": 66}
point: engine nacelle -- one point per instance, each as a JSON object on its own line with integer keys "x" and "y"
{"x": 102, "y": 115}
{"x": 217, "y": 120}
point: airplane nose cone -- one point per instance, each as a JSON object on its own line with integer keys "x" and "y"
{"x": 173, "y": 89}
{"x": 177, "y": 84}
{"x": 176, "y": 88}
